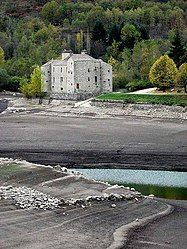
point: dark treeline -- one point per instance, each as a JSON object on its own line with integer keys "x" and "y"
{"x": 129, "y": 34}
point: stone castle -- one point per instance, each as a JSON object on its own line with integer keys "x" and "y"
{"x": 77, "y": 73}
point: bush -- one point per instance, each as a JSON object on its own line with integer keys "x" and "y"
{"x": 119, "y": 82}
{"x": 4, "y": 79}
{"x": 138, "y": 85}
{"x": 14, "y": 84}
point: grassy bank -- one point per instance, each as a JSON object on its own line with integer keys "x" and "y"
{"x": 167, "y": 192}
{"x": 163, "y": 99}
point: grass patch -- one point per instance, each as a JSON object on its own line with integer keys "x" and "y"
{"x": 10, "y": 168}
{"x": 162, "y": 99}
{"x": 167, "y": 192}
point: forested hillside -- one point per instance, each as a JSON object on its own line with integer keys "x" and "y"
{"x": 129, "y": 34}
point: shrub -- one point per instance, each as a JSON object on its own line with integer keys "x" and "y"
{"x": 138, "y": 85}
{"x": 4, "y": 79}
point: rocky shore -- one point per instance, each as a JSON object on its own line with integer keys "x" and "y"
{"x": 95, "y": 109}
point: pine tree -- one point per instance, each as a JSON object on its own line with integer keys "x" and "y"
{"x": 177, "y": 50}
{"x": 163, "y": 72}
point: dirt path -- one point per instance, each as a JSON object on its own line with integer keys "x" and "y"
{"x": 168, "y": 232}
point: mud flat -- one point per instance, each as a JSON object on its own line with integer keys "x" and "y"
{"x": 129, "y": 143}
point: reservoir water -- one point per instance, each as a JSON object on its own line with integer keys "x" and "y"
{"x": 166, "y": 184}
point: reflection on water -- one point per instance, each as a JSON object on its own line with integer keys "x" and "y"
{"x": 165, "y": 184}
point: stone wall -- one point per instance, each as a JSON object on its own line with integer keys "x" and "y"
{"x": 71, "y": 96}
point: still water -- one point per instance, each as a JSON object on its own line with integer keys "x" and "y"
{"x": 166, "y": 184}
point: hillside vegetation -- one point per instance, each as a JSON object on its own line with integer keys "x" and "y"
{"x": 131, "y": 35}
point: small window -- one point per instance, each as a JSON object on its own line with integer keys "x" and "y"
{"x": 71, "y": 72}
{"x": 88, "y": 78}
{"x": 48, "y": 71}
{"x": 88, "y": 70}
{"x": 95, "y": 79}
{"x": 77, "y": 86}
{"x": 61, "y": 79}
{"x": 95, "y": 68}
{"x": 52, "y": 86}
{"x": 62, "y": 88}
{"x": 108, "y": 79}
{"x": 53, "y": 79}
{"x": 108, "y": 70}
{"x": 53, "y": 69}
{"x": 61, "y": 69}
{"x": 46, "y": 81}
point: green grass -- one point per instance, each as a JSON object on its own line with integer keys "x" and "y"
{"x": 162, "y": 99}
{"x": 168, "y": 192}
{"x": 9, "y": 168}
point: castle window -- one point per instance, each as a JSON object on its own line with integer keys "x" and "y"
{"x": 88, "y": 70}
{"x": 77, "y": 86}
{"x": 53, "y": 69}
{"x": 52, "y": 86}
{"x": 61, "y": 88}
{"x": 109, "y": 70}
{"x": 61, "y": 69}
{"x": 61, "y": 79}
{"x": 88, "y": 78}
{"x": 108, "y": 79}
{"x": 53, "y": 79}
{"x": 95, "y": 79}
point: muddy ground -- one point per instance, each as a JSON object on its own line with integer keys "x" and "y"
{"x": 131, "y": 143}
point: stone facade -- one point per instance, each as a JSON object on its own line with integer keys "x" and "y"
{"x": 77, "y": 73}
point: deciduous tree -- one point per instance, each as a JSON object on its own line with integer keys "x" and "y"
{"x": 163, "y": 72}
{"x": 181, "y": 79}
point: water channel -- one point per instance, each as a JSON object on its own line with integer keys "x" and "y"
{"x": 164, "y": 184}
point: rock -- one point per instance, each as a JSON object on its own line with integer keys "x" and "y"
{"x": 113, "y": 205}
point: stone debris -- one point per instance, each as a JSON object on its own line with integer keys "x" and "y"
{"x": 28, "y": 198}
{"x": 113, "y": 205}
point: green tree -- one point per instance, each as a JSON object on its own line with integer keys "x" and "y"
{"x": 144, "y": 54}
{"x": 177, "y": 50}
{"x": 163, "y": 72}
{"x": 4, "y": 79}
{"x": 181, "y": 79}
{"x": 50, "y": 11}
{"x": 34, "y": 87}
{"x": 80, "y": 41}
{"x": 2, "y": 57}
{"x": 130, "y": 35}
